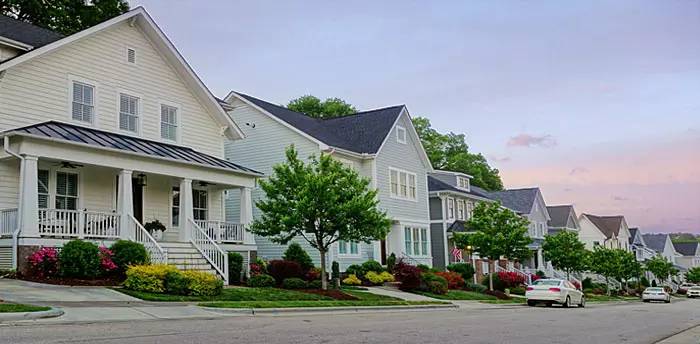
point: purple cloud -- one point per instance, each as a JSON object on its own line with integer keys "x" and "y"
{"x": 497, "y": 159}
{"x": 527, "y": 140}
{"x": 619, "y": 198}
{"x": 578, "y": 170}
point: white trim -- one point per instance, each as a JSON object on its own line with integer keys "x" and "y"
{"x": 347, "y": 249}
{"x": 178, "y": 132}
{"x": 126, "y": 56}
{"x": 453, "y": 173}
{"x": 374, "y": 175}
{"x": 415, "y": 139}
{"x": 408, "y": 185}
{"x": 447, "y": 208}
{"x": 15, "y": 44}
{"x": 400, "y": 129}
{"x": 463, "y": 216}
{"x": 139, "y": 125}
{"x": 72, "y": 78}
{"x": 460, "y": 194}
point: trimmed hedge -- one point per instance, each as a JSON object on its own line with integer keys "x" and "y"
{"x": 261, "y": 281}
{"x": 294, "y": 283}
{"x": 79, "y": 259}
{"x": 280, "y": 270}
{"x": 297, "y": 254}
{"x": 161, "y": 278}
{"x": 235, "y": 267}
{"x": 128, "y": 253}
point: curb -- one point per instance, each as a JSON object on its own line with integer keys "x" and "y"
{"x": 321, "y": 310}
{"x": 51, "y": 313}
{"x": 685, "y": 336}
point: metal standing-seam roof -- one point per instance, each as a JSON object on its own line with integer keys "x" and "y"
{"x": 105, "y": 139}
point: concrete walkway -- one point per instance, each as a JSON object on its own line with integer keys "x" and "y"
{"x": 400, "y": 294}
{"x": 36, "y": 293}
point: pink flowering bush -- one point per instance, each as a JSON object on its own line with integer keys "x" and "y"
{"x": 42, "y": 263}
{"x": 256, "y": 269}
{"x": 107, "y": 264}
{"x": 510, "y": 279}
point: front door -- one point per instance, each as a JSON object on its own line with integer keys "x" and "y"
{"x": 138, "y": 200}
{"x": 382, "y": 246}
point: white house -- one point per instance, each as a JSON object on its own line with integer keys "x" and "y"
{"x": 604, "y": 231}
{"x": 107, "y": 129}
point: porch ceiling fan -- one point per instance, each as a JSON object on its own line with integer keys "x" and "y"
{"x": 68, "y": 164}
{"x": 204, "y": 184}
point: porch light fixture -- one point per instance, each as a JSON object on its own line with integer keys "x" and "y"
{"x": 141, "y": 180}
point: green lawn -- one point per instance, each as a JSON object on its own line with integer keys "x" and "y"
{"x": 18, "y": 307}
{"x": 351, "y": 287}
{"x": 459, "y": 295}
{"x": 293, "y": 304}
{"x": 232, "y": 294}
{"x": 605, "y": 298}
{"x": 513, "y": 300}
{"x": 365, "y": 296}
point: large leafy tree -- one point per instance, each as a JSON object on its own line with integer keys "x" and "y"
{"x": 693, "y": 275}
{"x": 660, "y": 267}
{"x": 64, "y": 16}
{"x": 321, "y": 202}
{"x": 494, "y": 233}
{"x": 606, "y": 262}
{"x": 565, "y": 251}
{"x": 629, "y": 266}
{"x": 314, "y": 107}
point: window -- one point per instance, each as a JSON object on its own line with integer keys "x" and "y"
{"x": 83, "y": 98}
{"x": 400, "y": 134}
{"x": 450, "y": 208}
{"x": 168, "y": 122}
{"x": 470, "y": 209}
{"x": 199, "y": 203}
{"x": 416, "y": 240}
{"x": 460, "y": 209}
{"x": 128, "y": 113}
{"x": 542, "y": 230}
{"x": 531, "y": 230}
{"x": 463, "y": 182}
{"x": 596, "y": 243}
{"x": 485, "y": 268}
{"x": 130, "y": 55}
{"x": 403, "y": 184}
{"x": 43, "y": 187}
{"x": 66, "y": 191}
{"x": 348, "y": 248}
{"x": 176, "y": 207}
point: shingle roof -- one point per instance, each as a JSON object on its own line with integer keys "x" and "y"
{"x": 633, "y": 233}
{"x": 519, "y": 200}
{"x": 26, "y": 33}
{"x": 457, "y": 226}
{"x": 363, "y": 132}
{"x": 609, "y": 225}
{"x": 656, "y": 242}
{"x": 105, "y": 139}
{"x": 559, "y": 215}
{"x": 686, "y": 248}
{"x": 435, "y": 184}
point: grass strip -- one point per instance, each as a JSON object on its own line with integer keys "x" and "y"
{"x": 231, "y": 294}
{"x": 304, "y": 304}
{"x": 20, "y": 308}
{"x": 458, "y": 295}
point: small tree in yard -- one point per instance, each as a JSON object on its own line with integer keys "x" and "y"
{"x": 628, "y": 266}
{"x": 565, "y": 252}
{"x": 495, "y": 232}
{"x": 660, "y": 267}
{"x": 610, "y": 263}
{"x": 693, "y": 275}
{"x": 321, "y": 202}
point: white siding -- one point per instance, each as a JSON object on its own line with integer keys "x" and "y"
{"x": 589, "y": 233}
{"x": 38, "y": 90}
{"x": 9, "y": 183}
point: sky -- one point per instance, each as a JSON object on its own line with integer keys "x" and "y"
{"x": 595, "y": 102}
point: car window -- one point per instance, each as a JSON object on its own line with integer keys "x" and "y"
{"x": 694, "y": 288}
{"x": 547, "y": 282}
{"x": 655, "y": 289}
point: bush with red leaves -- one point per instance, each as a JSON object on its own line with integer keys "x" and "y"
{"x": 498, "y": 294}
{"x": 510, "y": 279}
{"x": 283, "y": 269}
{"x": 454, "y": 280}
{"x": 408, "y": 275}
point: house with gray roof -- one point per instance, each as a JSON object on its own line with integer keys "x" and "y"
{"x": 381, "y": 144}
{"x": 664, "y": 246}
{"x": 604, "y": 231}
{"x": 562, "y": 218}
{"x": 688, "y": 254}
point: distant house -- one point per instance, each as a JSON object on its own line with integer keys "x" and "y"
{"x": 562, "y": 218}
{"x": 604, "y": 231}
{"x": 689, "y": 254}
{"x": 662, "y": 244}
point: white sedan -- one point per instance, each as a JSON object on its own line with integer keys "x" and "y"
{"x": 550, "y": 291}
{"x": 656, "y": 294}
{"x": 693, "y": 292}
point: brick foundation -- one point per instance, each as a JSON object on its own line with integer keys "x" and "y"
{"x": 23, "y": 257}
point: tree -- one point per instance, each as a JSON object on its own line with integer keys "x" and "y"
{"x": 693, "y": 275}
{"x": 64, "y": 16}
{"x": 628, "y": 266}
{"x": 495, "y": 232}
{"x": 321, "y": 202}
{"x": 314, "y": 107}
{"x": 606, "y": 262}
{"x": 451, "y": 152}
{"x": 565, "y": 252}
{"x": 660, "y": 267}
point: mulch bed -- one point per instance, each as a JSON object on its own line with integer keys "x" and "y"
{"x": 104, "y": 282}
{"x": 335, "y": 294}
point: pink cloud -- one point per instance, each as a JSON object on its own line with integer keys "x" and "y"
{"x": 497, "y": 159}
{"x": 527, "y": 140}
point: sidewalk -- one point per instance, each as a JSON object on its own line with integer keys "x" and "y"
{"x": 689, "y": 336}
{"x": 47, "y": 294}
{"x": 400, "y": 294}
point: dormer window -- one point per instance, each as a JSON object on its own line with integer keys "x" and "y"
{"x": 400, "y": 134}
{"x": 463, "y": 182}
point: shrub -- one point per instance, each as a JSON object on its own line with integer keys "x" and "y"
{"x": 423, "y": 267}
{"x": 235, "y": 267}
{"x": 518, "y": 290}
{"x": 497, "y": 293}
{"x": 175, "y": 283}
{"x": 280, "y": 270}
{"x": 354, "y": 269}
{"x": 261, "y": 281}
{"x": 256, "y": 269}
{"x": 464, "y": 269}
{"x": 496, "y": 282}
{"x": 437, "y": 287}
{"x": 127, "y": 253}
{"x": 653, "y": 283}
{"x": 315, "y": 285}
{"x": 541, "y": 274}
{"x": 454, "y": 280}
{"x": 202, "y": 283}
{"x": 314, "y": 274}
{"x": 391, "y": 262}
{"x": 262, "y": 263}
{"x": 107, "y": 265}
{"x": 297, "y": 254}
{"x": 43, "y": 263}
{"x": 335, "y": 272}
{"x": 79, "y": 259}
{"x": 376, "y": 278}
{"x": 588, "y": 291}
{"x": 294, "y": 283}
{"x": 352, "y": 280}
{"x": 587, "y": 283}
{"x": 408, "y": 275}
{"x": 387, "y": 277}
{"x": 645, "y": 282}
{"x": 511, "y": 279}
{"x": 147, "y": 278}
{"x": 372, "y": 265}
{"x": 429, "y": 278}
{"x": 474, "y": 287}
{"x": 598, "y": 292}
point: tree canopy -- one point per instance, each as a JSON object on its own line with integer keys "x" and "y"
{"x": 321, "y": 202}
{"x": 607, "y": 262}
{"x": 495, "y": 232}
{"x": 314, "y": 107}
{"x": 660, "y": 267}
{"x": 565, "y": 251}
{"x": 64, "y": 16}
{"x": 693, "y": 275}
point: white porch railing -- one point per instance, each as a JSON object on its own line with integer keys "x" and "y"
{"x": 8, "y": 221}
{"x": 209, "y": 249}
{"x": 411, "y": 260}
{"x": 156, "y": 252}
{"x": 78, "y": 224}
{"x": 222, "y": 232}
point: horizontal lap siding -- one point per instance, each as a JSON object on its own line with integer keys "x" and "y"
{"x": 9, "y": 183}
{"x": 38, "y": 90}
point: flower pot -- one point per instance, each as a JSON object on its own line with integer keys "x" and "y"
{"x": 158, "y": 234}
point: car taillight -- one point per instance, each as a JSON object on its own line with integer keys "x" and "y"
{"x": 555, "y": 289}
{"x": 529, "y": 288}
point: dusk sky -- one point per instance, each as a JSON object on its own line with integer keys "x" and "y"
{"x": 595, "y": 102}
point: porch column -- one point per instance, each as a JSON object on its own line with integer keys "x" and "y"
{"x": 539, "y": 266}
{"x": 186, "y": 208}
{"x": 30, "y": 197}
{"x": 246, "y": 216}
{"x": 125, "y": 205}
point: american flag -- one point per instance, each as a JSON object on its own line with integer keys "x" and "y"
{"x": 457, "y": 253}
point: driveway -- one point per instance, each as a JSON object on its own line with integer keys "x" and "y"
{"x": 36, "y": 293}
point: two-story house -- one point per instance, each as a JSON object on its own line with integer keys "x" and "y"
{"x": 688, "y": 254}
{"x": 109, "y": 128}
{"x": 663, "y": 246}
{"x": 562, "y": 218}
{"x": 604, "y": 231}
{"x": 381, "y": 145}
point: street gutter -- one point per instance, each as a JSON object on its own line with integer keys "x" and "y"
{"x": 321, "y": 310}
{"x": 19, "y": 316}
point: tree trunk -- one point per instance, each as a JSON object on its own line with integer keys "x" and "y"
{"x": 607, "y": 285}
{"x": 324, "y": 280}
{"x": 567, "y": 275}
{"x": 493, "y": 268}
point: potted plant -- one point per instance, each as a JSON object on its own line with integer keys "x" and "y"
{"x": 155, "y": 228}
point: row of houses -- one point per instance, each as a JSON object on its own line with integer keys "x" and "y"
{"x": 110, "y": 128}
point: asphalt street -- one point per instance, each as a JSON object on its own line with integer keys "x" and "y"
{"x": 635, "y": 323}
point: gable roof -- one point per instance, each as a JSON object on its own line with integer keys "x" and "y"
{"x": 25, "y": 33}
{"x": 457, "y": 226}
{"x": 140, "y": 18}
{"x": 608, "y": 225}
{"x": 686, "y": 248}
{"x": 435, "y": 184}
{"x": 518, "y": 200}
{"x": 559, "y": 215}
{"x": 656, "y": 242}
{"x": 633, "y": 233}
{"x": 110, "y": 140}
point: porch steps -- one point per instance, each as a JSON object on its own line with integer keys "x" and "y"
{"x": 185, "y": 256}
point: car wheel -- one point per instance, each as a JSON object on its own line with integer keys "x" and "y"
{"x": 531, "y": 303}
{"x": 668, "y": 301}
{"x": 583, "y": 302}
{"x": 567, "y": 303}
{"x": 646, "y": 300}
{"x": 549, "y": 304}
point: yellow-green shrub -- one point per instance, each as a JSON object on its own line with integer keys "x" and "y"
{"x": 352, "y": 280}
{"x": 202, "y": 283}
{"x": 386, "y": 277}
{"x": 377, "y": 278}
{"x": 147, "y": 278}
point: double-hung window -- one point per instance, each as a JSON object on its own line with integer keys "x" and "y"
{"x": 175, "y": 212}
{"x": 200, "y": 204}
{"x": 403, "y": 184}
{"x": 66, "y": 191}
{"x": 460, "y": 209}
{"x": 463, "y": 182}
{"x": 168, "y": 122}
{"x": 348, "y": 248}
{"x": 470, "y": 209}
{"x": 128, "y": 113}
{"x": 450, "y": 208}
{"x": 416, "y": 240}
{"x": 43, "y": 189}
{"x": 83, "y": 102}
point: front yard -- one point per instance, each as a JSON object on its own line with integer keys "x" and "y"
{"x": 325, "y": 303}
{"x": 20, "y": 308}
{"x": 458, "y": 295}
